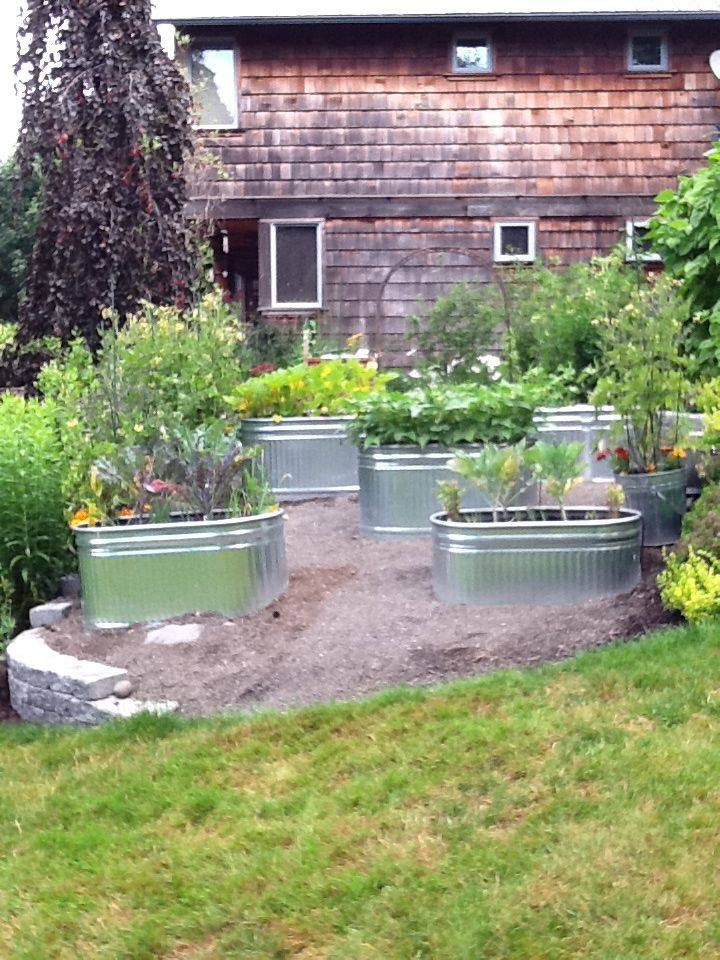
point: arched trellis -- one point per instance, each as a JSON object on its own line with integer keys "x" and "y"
{"x": 375, "y": 332}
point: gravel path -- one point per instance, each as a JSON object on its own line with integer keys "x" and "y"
{"x": 359, "y": 616}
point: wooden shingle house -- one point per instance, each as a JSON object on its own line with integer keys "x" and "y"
{"x": 376, "y": 154}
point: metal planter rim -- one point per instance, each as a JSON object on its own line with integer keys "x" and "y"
{"x": 188, "y": 525}
{"x": 627, "y": 516}
{"x": 345, "y": 417}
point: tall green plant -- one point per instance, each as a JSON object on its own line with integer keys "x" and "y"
{"x": 644, "y": 371}
{"x": 684, "y": 232}
{"x": 34, "y": 546}
{"x": 495, "y": 471}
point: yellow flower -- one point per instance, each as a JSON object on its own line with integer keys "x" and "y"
{"x": 678, "y": 453}
{"x": 73, "y": 423}
{"x": 277, "y": 418}
{"x": 80, "y": 518}
{"x": 138, "y": 428}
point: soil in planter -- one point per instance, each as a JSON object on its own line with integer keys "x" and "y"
{"x": 359, "y": 616}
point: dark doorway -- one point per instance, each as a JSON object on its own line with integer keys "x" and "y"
{"x": 236, "y": 259}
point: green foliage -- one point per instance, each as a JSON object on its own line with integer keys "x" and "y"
{"x": 457, "y": 329}
{"x": 162, "y": 371}
{"x": 320, "y": 389}
{"x": 268, "y": 343}
{"x": 644, "y": 373}
{"x": 554, "y": 324}
{"x": 195, "y": 474}
{"x": 34, "y": 546}
{"x": 18, "y": 219}
{"x": 701, "y": 524}
{"x": 685, "y": 232}
{"x": 559, "y": 467}
{"x": 495, "y": 471}
{"x": 450, "y": 496}
{"x": 452, "y": 414}
{"x": 692, "y": 585}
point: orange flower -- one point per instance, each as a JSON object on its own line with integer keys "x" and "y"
{"x": 126, "y": 512}
{"x": 651, "y": 468}
{"x": 678, "y": 453}
{"x": 80, "y": 518}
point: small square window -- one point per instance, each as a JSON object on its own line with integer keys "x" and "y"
{"x": 472, "y": 54}
{"x": 647, "y": 52}
{"x": 514, "y": 242}
{"x": 637, "y": 246}
{"x": 213, "y": 81}
{"x": 296, "y": 264}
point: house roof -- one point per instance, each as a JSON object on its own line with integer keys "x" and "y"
{"x": 294, "y": 11}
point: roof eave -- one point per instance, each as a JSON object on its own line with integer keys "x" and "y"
{"x": 436, "y": 18}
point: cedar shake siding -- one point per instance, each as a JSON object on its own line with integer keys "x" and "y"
{"x": 366, "y": 128}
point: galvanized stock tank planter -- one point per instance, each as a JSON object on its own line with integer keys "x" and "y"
{"x": 581, "y": 423}
{"x": 541, "y": 562}
{"x": 153, "y": 571}
{"x": 398, "y": 488}
{"x": 660, "y": 497}
{"x": 305, "y": 457}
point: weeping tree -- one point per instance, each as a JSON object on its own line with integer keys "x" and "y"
{"x": 106, "y": 129}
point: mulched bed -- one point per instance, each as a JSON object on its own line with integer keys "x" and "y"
{"x": 359, "y": 616}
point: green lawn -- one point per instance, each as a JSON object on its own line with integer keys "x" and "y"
{"x": 572, "y": 811}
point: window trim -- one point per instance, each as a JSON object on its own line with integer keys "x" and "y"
{"x": 661, "y": 67}
{"x": 632, "y": 255}
{"x": 529, "y": 257}
{"x": 319, "y": 231}
{"x": 473, "y": 34}
{"x": 217, "y": 43}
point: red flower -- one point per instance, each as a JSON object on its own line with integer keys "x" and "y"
{"x": 602, "y": 454}
{"x": 160, "y": 486}
{"x": 621, "y": 453}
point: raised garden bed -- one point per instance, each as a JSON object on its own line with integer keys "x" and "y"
{"x": 535, "y": 557}
{"x": 305, "y": 457}
{"x": 140, "y": 572}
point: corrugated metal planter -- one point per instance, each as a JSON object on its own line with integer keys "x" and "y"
{"x": 660, "y": 497}
{"x": 153, "y": 571}
{"x": 536, "y": 562}
{"x": 581, "y": 423}
{"x": 398, "y": 488}
{"x": 305, "y": 457}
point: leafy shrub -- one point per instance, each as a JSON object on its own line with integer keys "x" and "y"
{"x": 163, "y": 370}
{"x": 692, "y": 585}
{"x": 684, "y": 232}
{"x": 701, "y": 524}
{"x": 34, "y": 546}
{"x": 321, "y": 389}
{"x": 451, "y": 414}
{"x": 458, "y": 328}
{"x": 644, "y": 374}
{"x": 555, "y": 321}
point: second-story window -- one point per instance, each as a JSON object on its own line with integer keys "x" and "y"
{"x": 472, "y": 53}
{"x": 647, "y": 52}
{"x": 212, "y": 76}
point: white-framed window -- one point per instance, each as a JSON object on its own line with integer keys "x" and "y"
{"x": 637, "y": 247}
{"x": 212, "y": 75}
{"x": 472, "y": 53}
{"x": 296, "y": 258}
{"x": 515, "y": 241}
{"x": 647, "y": 52}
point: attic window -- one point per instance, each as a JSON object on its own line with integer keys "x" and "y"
{"x": 637, "y": 246}
{"x": 514, "y": 242}
{"x": 647, "y": 52}
{"x": 213, "y": 80}
{"x": 472, "y": 54}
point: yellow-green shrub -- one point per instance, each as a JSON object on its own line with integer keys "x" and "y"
{"x": 322, "y": 389}
{"x": 692, "y": 586}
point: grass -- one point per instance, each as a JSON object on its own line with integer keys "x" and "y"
{"x": 571, "y": 811}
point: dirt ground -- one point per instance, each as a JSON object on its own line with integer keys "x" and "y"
{"x": 359, "y": 616}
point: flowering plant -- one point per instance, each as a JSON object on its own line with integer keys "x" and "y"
{"x": 195, "y": 475}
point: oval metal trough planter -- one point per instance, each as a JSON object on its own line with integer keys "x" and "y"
{"x": 661, "y": 499}
{"x": 538, "y": 562}
{"x": 398, "y": 488}
{"x": 305, "y": 457}
{"x": 153, "y": 571}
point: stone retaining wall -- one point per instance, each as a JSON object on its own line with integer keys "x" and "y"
{"x": 53, "y": 688}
